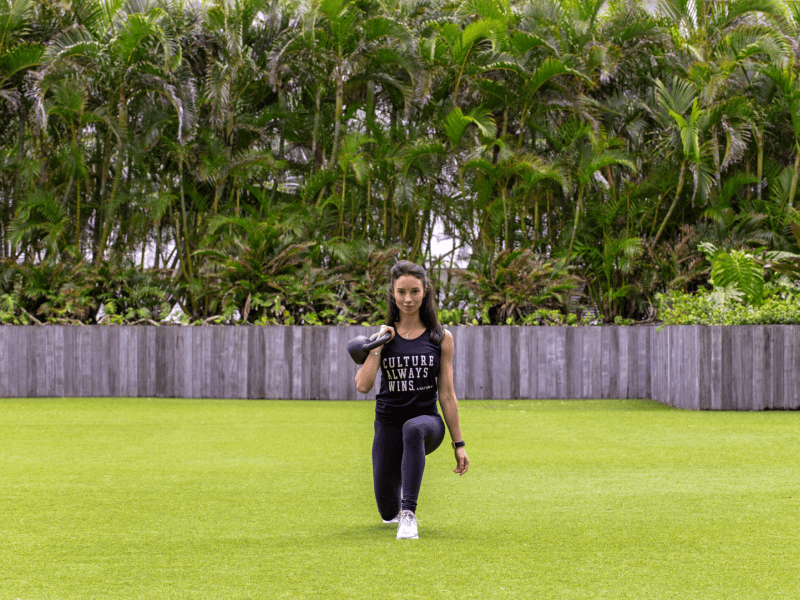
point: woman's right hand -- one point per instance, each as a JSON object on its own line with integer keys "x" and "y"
{"x": 383, "y": 329}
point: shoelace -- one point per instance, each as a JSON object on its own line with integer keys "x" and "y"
{"x": 409, "y": 516}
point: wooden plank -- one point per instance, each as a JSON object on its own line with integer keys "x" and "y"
{"x": 274, "y": 368}
{"x": 183, "y": 362}
{"x": 631, "y": 376}
{"x": 338, "y": 369}
{"x": 469, "y": 359}
{"x": 547, "y": 360}
{"x": 294, "y": 341}
{"x": 504, "y": 369}
{"x": 208, "y": 361}
{"x": 716, "y": 368}
{"x": 487, "y": 361}
{"x": 726, "y": 360}
{"x": 498, "y": 355}
{"x": 33, "y": 335}
{"x": 778, "y": 366}
{"x": 49, "y": 390}
{"x": 346, "y": 369}
{"x": 133, "y": 361}
{"x": 8, "y": 367}
{"x": 515, "y": 374}
{"x": 605, "y": 360}
{"x": 21, "y": 354}
{"x": 674, "y": 373}
{"x": 312, "y": 354}
{"x": 746, "y": 357}
{"x": 114, "y": 365}
{"x": 128, "y": 339}
{"x": 595, "y": 347}
{"x": 124, "y": 360}
{"x": 480, "y": 389}
{"x": 788, "y": 364}
{"x": 573, "y": 349}
{"x": 40, "y": 375}
{"x": 659, "y": 379}
{"x": 646, "y": 361}
{"x": 213, "y": 351}
{"x": 227, "y": 375}
{"x": 533, "y": 363}
{"x": 737, "y": 384}
{"x": 645, "y": 337}
{"x": 656, "y": 380}
{"x": 793, "y": 390}
{"x": 692, "y": 400}
{"x": 704, "y": 368}
{"x": 551, "y": 375}
{"x": 610, "y": 368}
{"x": 328, "y": 362}
{"x": 236, "y": 363}
{"x": 172, "y": 389}
{"x": 88, "y": 384}
{"x": 757, "y": 387}
{"x": 240, "y": 361}
{"x": 313, "y": 350}
{"x": 198, "y": 367}
{"x": 161, "y": 362}
{"x": 524, "y": 359}
{"x": 623, "y": 364}
{"x": 5, "y": 361}
{"x": 101, "y": 362}
{"x": 561, "y": 362}
{"x": 72, "y": 374}
{"x": 150, "y": 366}
{"x": 255, "y": 362}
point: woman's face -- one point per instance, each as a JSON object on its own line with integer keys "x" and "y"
{"x": 408, "y": 294}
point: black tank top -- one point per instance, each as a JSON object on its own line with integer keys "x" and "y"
{"x": 409, "y": 371}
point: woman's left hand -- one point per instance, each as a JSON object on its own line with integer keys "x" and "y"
{"x": 462, "y": 461}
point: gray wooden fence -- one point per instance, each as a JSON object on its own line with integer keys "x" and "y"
{"x": 733, "y": 368}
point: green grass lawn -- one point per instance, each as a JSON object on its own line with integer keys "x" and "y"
{"x": 149, "y": 499}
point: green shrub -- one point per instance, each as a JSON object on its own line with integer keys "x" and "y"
{"x": 726, "y": 306}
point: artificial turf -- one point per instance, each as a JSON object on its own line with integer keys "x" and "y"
{"x": 158, "y": 498}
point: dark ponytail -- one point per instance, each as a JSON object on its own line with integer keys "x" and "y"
{"x": 428, "y": 312}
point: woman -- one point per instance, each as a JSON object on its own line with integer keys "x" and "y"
{"x": 416, "y": 366}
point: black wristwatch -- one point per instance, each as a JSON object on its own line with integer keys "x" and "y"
{"x": 460, "y": 444}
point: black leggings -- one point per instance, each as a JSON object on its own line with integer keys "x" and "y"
{"x": 398, "y": 458}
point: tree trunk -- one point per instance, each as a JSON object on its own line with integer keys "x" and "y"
{"x": 795, "y": 170}
{"x": 760, "y": 162}
{"x": 122, "y": 122}
{"x": 337, "y": 123}
{"x": 678, "y": 191}
{"x": 578, "y": 209}
{"x": 315, "y": 135}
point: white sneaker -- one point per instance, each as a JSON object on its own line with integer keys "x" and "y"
{"x": 395, "y": 520}
{"x": 407, "y": 530}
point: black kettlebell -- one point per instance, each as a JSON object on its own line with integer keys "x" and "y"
{"x": 359, "y": 347}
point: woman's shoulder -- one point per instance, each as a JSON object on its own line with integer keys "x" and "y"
{"x": 446, "y": 338}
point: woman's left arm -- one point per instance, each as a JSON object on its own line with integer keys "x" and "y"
{"x": 449, "y": 403}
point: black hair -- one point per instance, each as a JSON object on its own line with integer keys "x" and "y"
{"x": 428, "y": 312}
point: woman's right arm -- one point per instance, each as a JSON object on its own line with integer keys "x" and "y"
{"x": 365, "y": 378}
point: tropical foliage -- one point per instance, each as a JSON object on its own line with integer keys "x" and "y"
{"x": 266, "y": 160}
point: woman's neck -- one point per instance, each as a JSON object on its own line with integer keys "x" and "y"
{"x": 409, "y": 323}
